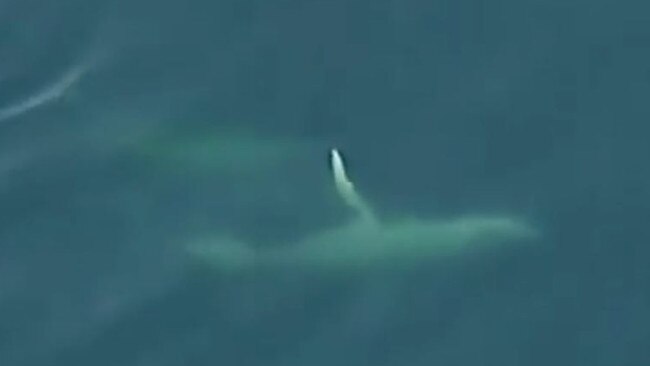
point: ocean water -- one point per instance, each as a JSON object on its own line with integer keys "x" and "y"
{"x": 129, "y": 129}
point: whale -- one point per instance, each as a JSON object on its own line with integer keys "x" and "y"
{"x": 366, "y": 242}
{"x": 219, "y": 151}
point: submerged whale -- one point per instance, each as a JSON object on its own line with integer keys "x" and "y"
{"x": 366, "y": 242}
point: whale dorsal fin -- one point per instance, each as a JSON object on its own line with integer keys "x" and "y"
{"x": 346, "y": 190}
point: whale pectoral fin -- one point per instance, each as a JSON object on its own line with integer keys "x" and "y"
{"x": 224, "y": 253}
{"x": 345, "y": 187}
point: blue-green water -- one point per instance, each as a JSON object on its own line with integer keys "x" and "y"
{"x": 128, "y": 128}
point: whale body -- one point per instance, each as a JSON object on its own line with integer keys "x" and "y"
{"x": 366, "y": 243}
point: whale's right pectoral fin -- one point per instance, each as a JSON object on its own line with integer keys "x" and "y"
{"x": 345, "y": 188}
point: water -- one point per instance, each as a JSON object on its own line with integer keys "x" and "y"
{"x": 130, "y": 128}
